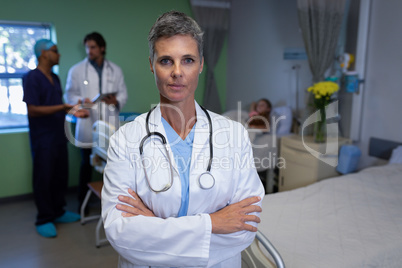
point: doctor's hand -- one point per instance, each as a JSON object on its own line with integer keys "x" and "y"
{"x": 76, "y": 110}
{"x": 233, "y": 218}
{"x": 135, "y": 206}
{"x": 86, "y": 103}
{"x": 110, "y": 99}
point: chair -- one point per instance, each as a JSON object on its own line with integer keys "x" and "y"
{"x": 96, "y": 188}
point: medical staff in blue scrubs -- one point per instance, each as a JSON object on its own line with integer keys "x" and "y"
{"x": 46, "y": 115}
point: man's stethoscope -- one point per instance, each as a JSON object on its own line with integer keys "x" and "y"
{"x": 206, "y": 180}
{"x": 86, "y": 81}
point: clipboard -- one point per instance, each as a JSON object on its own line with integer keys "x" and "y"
{"x": 100, "y": 96}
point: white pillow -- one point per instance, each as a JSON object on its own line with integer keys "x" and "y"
{"x": 396, "y": 156}
{"x": 285, "y": 123}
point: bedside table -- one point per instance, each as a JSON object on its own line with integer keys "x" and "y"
{"x": 301, "y": 168}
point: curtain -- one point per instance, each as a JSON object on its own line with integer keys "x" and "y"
{"x": 320, "y": 22}
{"x": 213, "y": 17}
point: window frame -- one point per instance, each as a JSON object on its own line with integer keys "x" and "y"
{"x": 18, "y": 75}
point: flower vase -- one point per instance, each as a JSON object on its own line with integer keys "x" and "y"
{"x": 320, "y": 127}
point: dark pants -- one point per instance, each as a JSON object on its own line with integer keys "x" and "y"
{"x": 50, "y": 181}
{"x": 85, "y": 175}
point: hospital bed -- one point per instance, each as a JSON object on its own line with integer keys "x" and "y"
{"x": 353, "y": 220}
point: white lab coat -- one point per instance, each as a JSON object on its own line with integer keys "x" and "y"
{"x": 112, "y": 81}
{"x": 185, "y": 241}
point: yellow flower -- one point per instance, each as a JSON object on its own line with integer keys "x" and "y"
{"x": 322, "y": 92}
{"x": 324, "y": 88}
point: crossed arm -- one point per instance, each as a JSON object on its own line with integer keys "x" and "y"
{"x": 229, "y": 219}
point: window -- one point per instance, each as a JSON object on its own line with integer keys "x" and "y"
{"x": 17, "y": 57}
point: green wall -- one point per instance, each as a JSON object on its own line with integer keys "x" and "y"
{"x": 125, "y": 25}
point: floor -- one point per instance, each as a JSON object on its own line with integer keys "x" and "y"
{"x": 21, "y": 246}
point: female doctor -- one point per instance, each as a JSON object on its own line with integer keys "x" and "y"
{"x": 180, "y": 187}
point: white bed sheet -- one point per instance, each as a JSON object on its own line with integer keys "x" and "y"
{"x": 349, "y": 221}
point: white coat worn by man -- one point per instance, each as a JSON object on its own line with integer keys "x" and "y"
{"x": 180, "y": 186}
{"x": 88, "y": 78}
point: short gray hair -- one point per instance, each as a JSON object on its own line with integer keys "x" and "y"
{"x": 172, "y": 23}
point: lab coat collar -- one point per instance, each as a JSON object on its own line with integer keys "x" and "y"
{"x": 200, "y": 153}
{"x": 155, "y": 125}
{"x": 202, "y": 119}
{"x": 95, "y": 64}
{"x": 155, "y": 119}
{"x": 106, "y": 63}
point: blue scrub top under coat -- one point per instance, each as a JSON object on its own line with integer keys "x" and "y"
{"x": 98, "y": 69}
{"x": 48, "y": 130}
{"x": 182, "y": 150}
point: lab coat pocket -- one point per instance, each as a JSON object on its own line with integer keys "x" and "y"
{"x": 212, "y": 199}
{"x": 224, "y": 183}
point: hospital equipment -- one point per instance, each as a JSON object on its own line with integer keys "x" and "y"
{"x": 253, "y": 257}
{"x": 206, "y": 180}
{"x": 101, "y": 132}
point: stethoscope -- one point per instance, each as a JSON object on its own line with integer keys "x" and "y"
{"x": 109, "y": 74}
{"x": 86, "y": 81}
{"x": 206, "y": 180}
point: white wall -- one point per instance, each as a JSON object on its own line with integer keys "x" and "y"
{"x": 260, "y": 30}
{"x": 382, "y": 109}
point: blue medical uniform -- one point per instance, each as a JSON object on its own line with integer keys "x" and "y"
{"x": 48, "y": 146}
{"x": 182, "y": 150}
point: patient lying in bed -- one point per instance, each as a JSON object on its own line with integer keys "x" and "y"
{"x": 279, "y": 120}
{"x": 260, "y": 115}
{"x": 264, "y": 141}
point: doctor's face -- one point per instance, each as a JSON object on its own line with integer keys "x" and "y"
{"x": 177, "y": 65}
{"x": 52, "y": 54}
{"x": 94, "y": 52}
